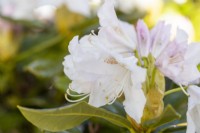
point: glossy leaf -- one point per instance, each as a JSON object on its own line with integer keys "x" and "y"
{"x": 67, "y": 117}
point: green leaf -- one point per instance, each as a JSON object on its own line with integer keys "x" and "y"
{"x": 67, "y": 117}
{"x": 168, "y": 115}
{"x": 175, "y": 128}
{"x": 44, "y": 68}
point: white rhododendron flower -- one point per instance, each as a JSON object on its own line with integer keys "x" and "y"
{"x": 103, "y": 66}
{"x": 193, "y": 113}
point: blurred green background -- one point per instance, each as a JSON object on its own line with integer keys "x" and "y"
{"x": 34, "y": 41}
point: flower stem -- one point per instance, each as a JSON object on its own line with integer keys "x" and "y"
{"x": 184, "y": 90}
{"x": 174, "y": 90}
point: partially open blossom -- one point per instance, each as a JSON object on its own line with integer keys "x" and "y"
{"x": 177, "y": 60}
{"x": 103, "y": 66}
{"x": 193, "y": 113}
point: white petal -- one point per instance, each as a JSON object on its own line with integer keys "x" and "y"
{"x": 134, "y": 103}
{"x": 72, "y": 44}
{"x": 193, "y": 53}
{"x": 69, "y": 66}
{"x": 115, "y": 42}
{"x": 190, "y": 124}
{"x": 114, "y": 30}
{"x": 97, "y": 96}
{"x": 135, "y": 99}
{"x": 108, "y": 89}
{"x": 107, "y": 15}
{"x": 181, "y": 36}
{"x": 160, "y": 37}
{"x": 81, "y": 86}
{"x": 129, "y": 32}
{"x": 193, "y": 113}
{"x": 194, "y": 92}
{"x": 189, "y": 74}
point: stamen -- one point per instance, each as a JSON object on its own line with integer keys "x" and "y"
{"x": 111, "y": 102}
{"x": 68, "y": 92}
{"x": 123, "y": 83}
{"x": 121, "y": 88}
{"x": 176, "y": 58}
{"x": 184, "y": 90}
{"x": 92, "y": 32}
{"x": 77, "y": 100}
{"x": 74, "y": 95}
{"x": 121, "y": 92}
{"x": 71, "y": 88}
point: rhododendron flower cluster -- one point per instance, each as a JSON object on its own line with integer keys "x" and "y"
{"x": 125, "y": 60}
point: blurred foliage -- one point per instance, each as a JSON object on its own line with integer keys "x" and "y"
{"x": 31, "y": 71}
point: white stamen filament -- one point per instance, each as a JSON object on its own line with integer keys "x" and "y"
{"x": 68, "y": 92}
{"x": 74, "y": 95}
{"x": 77, "y": 100}
{"x": 121, "y": 89}
{"x": 184, "y": 90}
{"x": 176, "y": 59}
{"x": 123, "y": 83}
